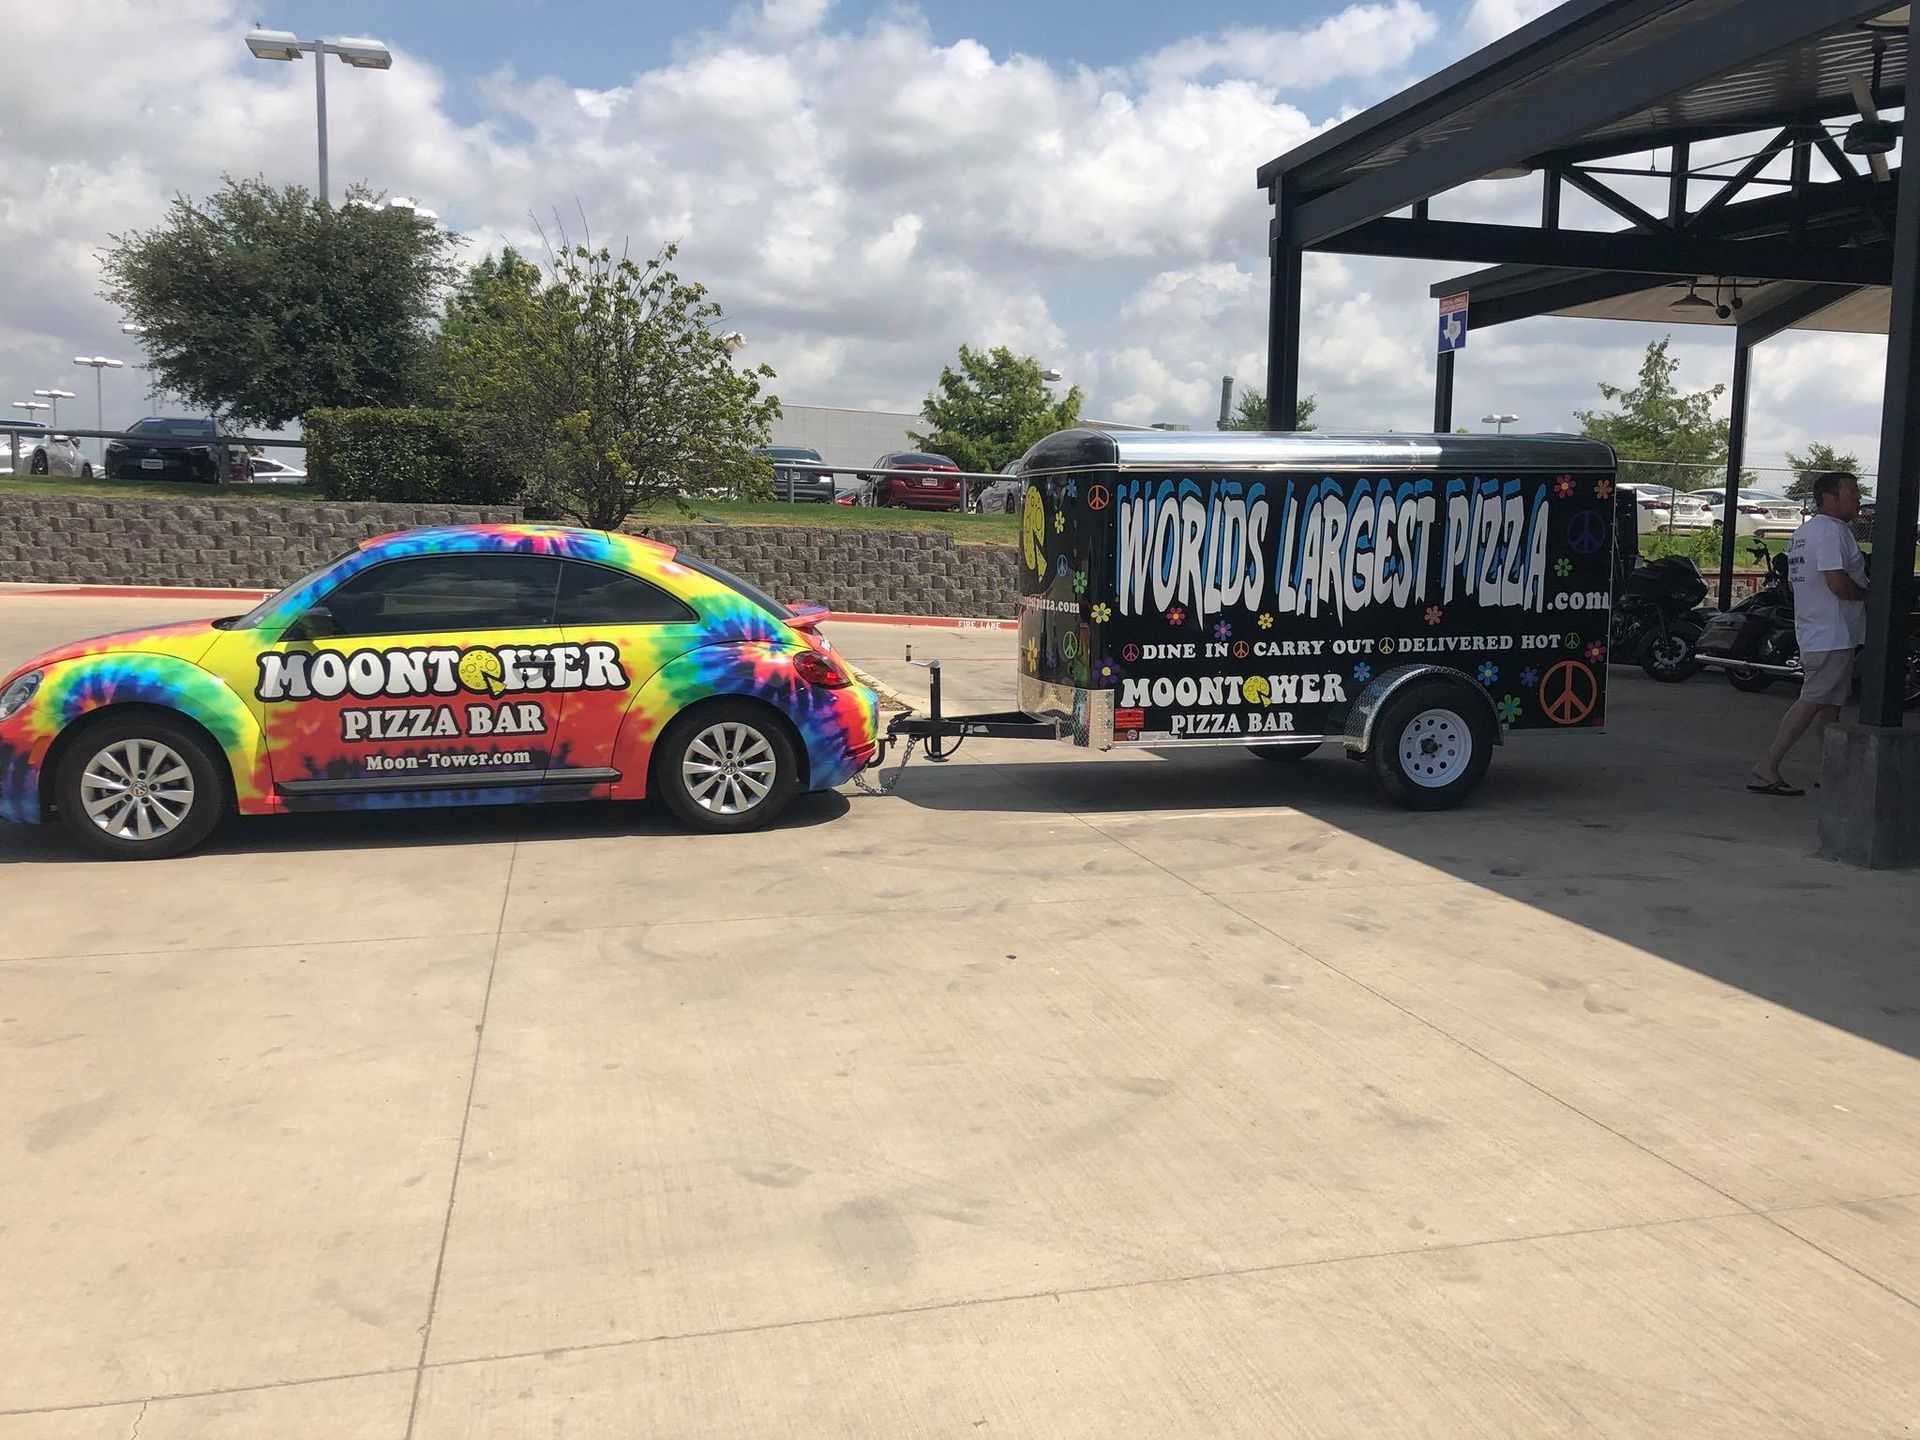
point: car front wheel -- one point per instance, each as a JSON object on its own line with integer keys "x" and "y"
{"x": 86, "y": 471}
{"x": 140, "y": 788}
{"x": 726, "y": 766}
{"x": 39, "y": 466}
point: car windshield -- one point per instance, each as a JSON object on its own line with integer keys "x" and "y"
{"x": 177, "y": 429}
{"x": 733, "y": 582}
{"x": 260, "y": 612}
{"x": 790, "y": 452}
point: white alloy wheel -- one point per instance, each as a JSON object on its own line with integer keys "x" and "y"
{"x": 729, "y": 768}
{"x": 136, "y": 789}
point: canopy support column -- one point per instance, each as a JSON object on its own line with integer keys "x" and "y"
{"x": 1283, "y": 315}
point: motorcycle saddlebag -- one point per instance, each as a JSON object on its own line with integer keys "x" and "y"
{"x": 1735, "y": 636}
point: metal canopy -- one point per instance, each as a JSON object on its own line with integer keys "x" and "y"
{"x": 1600, "y": 80}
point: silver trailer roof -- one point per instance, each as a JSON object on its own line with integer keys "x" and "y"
{"x": 1222, "y": 450}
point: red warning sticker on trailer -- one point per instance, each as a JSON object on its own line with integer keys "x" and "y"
{"x": 1129, "y": 719}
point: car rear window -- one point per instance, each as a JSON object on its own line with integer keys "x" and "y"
{"x": 733, "y": 582}
{"x": 790, "y": 452}
{"x": 180, "y": 429}
{"x": 914, "y": 457}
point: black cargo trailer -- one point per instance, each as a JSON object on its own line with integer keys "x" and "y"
{"x": 1410, "y": 597}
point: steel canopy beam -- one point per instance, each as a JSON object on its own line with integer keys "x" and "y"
{"x": 1660, "y": 254}
{"x": 1583, "y": 104}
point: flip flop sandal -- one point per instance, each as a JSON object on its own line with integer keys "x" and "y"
{"x": 1776, "y": 787}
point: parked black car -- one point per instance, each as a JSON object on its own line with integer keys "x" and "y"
{"x": 790, "y": 483}
{"x": 184, "y": 448}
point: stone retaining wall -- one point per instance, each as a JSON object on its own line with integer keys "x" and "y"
{"x": 266, "y": 543}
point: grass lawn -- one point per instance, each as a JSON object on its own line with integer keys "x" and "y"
{"x": 101, "y": 488}
{"x": 978, "y": 529}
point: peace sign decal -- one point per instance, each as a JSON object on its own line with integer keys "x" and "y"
{"x": 1587, "y": 532}
{"x": 1097, "y": 498}
{"x": 1568, "y": 692}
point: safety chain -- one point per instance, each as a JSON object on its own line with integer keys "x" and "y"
{"x": 885, "y": 787}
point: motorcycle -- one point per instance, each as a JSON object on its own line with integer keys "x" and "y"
{"x": 1653, "y": 617}
{"x": 1755, "y": 641}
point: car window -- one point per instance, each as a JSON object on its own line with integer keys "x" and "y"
{"x": 733, "y": 582}
{"x": 790, "y": 452}
{"x": 916, "y": 457}
{"x": 179, "y": 429}
{"x": 595, "y": 595}
{"x": 446, "y": 592}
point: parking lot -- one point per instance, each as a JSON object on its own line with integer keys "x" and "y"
{"x": 1051, "y": 1095}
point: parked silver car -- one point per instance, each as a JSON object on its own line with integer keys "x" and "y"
{"x": 1001, "y": 497}
{"x": 1756, "y": 512}
{"x": 46, "y": 453}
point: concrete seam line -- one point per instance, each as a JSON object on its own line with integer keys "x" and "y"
{"x": 460, "y": 1149}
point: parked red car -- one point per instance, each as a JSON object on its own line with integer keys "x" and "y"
{"x": 938, "y": 490}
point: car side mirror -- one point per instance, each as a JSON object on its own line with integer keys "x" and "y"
{"x": 315, "y": 624}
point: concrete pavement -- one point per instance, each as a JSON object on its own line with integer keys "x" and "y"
{"x": 1050, "y": 1096}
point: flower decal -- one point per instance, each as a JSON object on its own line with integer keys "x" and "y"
{"x": 1264, "y": 621}
{"x": 1079, "y": 582}
{"x": 1033, "y": 655}
{"x": 1563, "y": 487}
{"x": 1107, "y": 673}
{"x": 1176, "y": 617}
{"x": 1530, "y": 676}
{"x": 1563, "y": 567}
{"x": 1102, "y": 612}
{"x": 1488, "y": 673}
{"x": 1073, "y": 491}
{"x": 1222, "y": 631}
{"x": 1595, "y": 652}
{"x": 1362, "y": 673}
{"x": 1059, "y": 521}
{"x": 1434, "y": 612}
{"x": 1508, "y": 709}
{"x": 1602, "y": 488}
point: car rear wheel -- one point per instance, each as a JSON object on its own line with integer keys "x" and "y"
{"x": 39, "y": 466}
{"x": 86, "y": 471}
{"x": 140, "y": 788}
{"x": 726, "y": 766}
{"x": 1431, "y": 745}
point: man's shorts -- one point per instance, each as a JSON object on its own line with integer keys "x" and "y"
{"x": 1828, "y": 674}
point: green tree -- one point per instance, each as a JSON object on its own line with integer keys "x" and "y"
{"x": 611, "y": 379}
{"x": 992, "y": 408}
{"x": 1658, "y": 422}
{"x": 263, "y": 303}
{"x": 1251, "y": 412}
{"x": 1819, "y": 457}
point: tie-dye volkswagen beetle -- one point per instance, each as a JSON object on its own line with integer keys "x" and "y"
{"x": 474, "y": 665}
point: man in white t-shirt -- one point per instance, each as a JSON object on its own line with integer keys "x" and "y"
{"x": 1829, "y": 579}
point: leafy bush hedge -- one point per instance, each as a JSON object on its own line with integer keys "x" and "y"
{"x": 435, "y": 457}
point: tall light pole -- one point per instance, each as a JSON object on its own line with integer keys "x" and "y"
{"x": 1499, "y": 422}
{"x": 97, "y": 363}
{"x": 53, "y": 399}
{"x": 361, "y": 54}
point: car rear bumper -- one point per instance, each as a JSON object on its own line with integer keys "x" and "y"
{"x": 804, "y": 492}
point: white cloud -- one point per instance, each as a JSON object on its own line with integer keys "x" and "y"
{"x": 1362, "y": 40}
{"x": 1488, "y": 20}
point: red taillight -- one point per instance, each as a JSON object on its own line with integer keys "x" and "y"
{"x": 822, "y": 670}
{"x": 1752, "y": 510}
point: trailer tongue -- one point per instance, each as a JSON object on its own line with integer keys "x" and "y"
{"x": 1412, "y": 597}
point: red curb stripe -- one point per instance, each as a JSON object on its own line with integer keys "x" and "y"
{"x": 142, "y": 592}
{"x": 941, "y": 622}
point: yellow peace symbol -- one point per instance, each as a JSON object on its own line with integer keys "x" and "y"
{"x": 1385, "y": 646}
{"x": 1033, "y": 529}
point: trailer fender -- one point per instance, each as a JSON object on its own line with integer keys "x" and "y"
{"x": 1368, "y": 704}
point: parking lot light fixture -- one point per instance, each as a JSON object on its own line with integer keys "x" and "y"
{"x": 98, "y": 363}
{"x": 357, "y": 51}
{"x": 1499, "y": 422}
{"x": 53, "y": 399}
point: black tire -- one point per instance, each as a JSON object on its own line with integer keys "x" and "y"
{"x": 1752, "y": 682}
{"x": 86, "y": 471}
{"x": 39, "y": 465}
{"x": 748, "y": 736}
{"x": 1669, "y": 658}
{"x": 207, "y": 789}
{"x": 1299, "y": 750}
{"x": 1431, "y": 744}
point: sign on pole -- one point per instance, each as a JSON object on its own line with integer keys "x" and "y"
{"x": 1453, "y": 323}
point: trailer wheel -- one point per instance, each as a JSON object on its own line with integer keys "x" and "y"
{"x": 1298, "y": 750}
{"x": 1431, "y": 744}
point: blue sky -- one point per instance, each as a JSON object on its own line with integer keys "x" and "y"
{"x": 864, "y": 186}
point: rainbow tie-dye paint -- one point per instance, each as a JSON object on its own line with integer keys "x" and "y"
{"x": 314, "y": 710}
